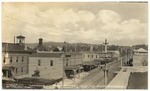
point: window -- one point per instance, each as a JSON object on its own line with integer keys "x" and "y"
{"x": 83, "y": 56}
{"x": 10, "y": 59}
{"x": 66, "y": 62}
{"x": 92, "y": 56}
{"x": 22, "y": 58}
{"x": 4, "y": 60}
{"x": 51, "y": 62}
{"x": 16, "y": 70}
{"x": 88, "y": 56}
{"x": 39, "y": 62}
{"x": 17, "y": 59}
{"x": 21, "y": 69}
{"x": 96, "y": 56}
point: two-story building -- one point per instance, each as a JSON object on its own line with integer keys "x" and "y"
{"x": 15, "y": 58}
{"x": 49, "y": 65}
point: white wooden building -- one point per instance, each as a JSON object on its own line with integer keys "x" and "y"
{"x": 50, "y": 65}
{"x": 15, "y": 55}
{"x": 140, "y": 57}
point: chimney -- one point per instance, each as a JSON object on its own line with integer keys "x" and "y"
{"x": 40, "y": 41}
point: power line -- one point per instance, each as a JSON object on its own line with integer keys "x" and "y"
{"x": 32, "y": 28}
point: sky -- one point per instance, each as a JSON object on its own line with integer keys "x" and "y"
{"x": 88, "y": 22}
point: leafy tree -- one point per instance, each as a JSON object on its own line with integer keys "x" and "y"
{"x": 36, "y": 73}
{"x": 56, "y": 49}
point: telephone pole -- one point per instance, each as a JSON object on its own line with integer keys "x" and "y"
{"x": 105, "y": 70}
{"x": 64, "y": 63}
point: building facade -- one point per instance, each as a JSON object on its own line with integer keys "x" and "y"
{"x": 49, "y": 65}
{"x": 73, "y": 58}
{"x": 89, "y": 56}
{"x": 15, "y": 55}
{"x": 140, "y": 57}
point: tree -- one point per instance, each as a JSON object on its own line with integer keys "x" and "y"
{"x": 56, "y": 49}
{"x": 36, "y": 73}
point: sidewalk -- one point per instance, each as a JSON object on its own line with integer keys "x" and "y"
{"x": 120, "y": 81}
{"x": 122, "y": 78}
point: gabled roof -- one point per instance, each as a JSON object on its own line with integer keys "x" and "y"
{"x": 7, "y": 67}
{"x": 11, "y": 47}
{"x": 40, "y": 48}
{"x": 47, "y": 54}
{"x": 141, "y": 50}
{"x": 20, "y": 36}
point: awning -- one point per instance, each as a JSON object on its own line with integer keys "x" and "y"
{"x": 7, "y": 67}
{"x": 90, "y": 63}
{"x": 8, "y": 79}
{"x": 73, "y": 67}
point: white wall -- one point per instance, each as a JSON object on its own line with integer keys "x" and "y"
{"x": 76, "y": 59}
{"x": 138, "y": 59}
{"x": 46, "y": 71}
{"x": 18, "y": 64}
{"x": 90, "y": 58}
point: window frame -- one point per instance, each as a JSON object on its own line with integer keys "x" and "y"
{"x": 88, "y": 56}
{"x": 51, "y": 63}
{"x": 11, "y": 59}
{"x": 17, "y": 59}
{"x": 67, "y": 62}
{"x": 16, "y": 70}
{"x": 4, "y": 59}
{"x": 92, "y": 56}
{"x": 22, "y": 69}
{"x": 39, "y": 62}
{"x": 22, "y": 59}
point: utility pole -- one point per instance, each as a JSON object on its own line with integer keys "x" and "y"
{"x": 75, "y": 54}
{"x": 121, "y": 58}
{"x": 64, "y": 64}
{"x": 105, "y": 70}
{"x": 127, "y": 55}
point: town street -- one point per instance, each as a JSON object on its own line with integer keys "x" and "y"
{"x": 96, "y": 77}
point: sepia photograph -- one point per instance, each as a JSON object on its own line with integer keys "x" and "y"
{"x": 74, "y": 45}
